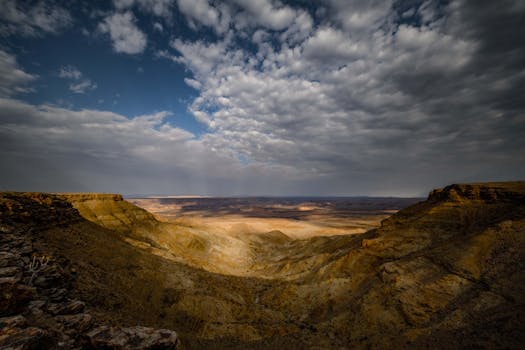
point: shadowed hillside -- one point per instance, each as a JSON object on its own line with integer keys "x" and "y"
{"x": 448, "y": 272}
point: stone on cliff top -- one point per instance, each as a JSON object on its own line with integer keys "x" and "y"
{"x": 78, "y": 322}
{"x": 12, "y": 321}
{"x": 144, "y": 338}
{"x": 67, "y": 308}
{"x": 9, "y": 259}
{"x": 10, "y": 271}
{"x": 26, "y": 338}
{"x": 14, "y": 296}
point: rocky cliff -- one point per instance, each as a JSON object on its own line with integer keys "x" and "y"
{"x": 38, "y": 306}
{"x": 448, "y": 272}
{"x": 110, "y": 211}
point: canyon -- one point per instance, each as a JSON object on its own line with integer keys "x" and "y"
{"x": 97, "y": 271}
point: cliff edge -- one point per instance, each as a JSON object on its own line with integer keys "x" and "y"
{"x": 109, "y": 210}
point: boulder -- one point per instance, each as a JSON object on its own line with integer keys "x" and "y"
{"x": 144, "y": 338}
{"x": 14, "y": 296}
{"x": 31, "y": 338}
{"x": 67, "y": 308}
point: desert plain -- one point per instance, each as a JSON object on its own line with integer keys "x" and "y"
{"x": 296, "y": 217}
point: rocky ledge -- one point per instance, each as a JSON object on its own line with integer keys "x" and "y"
{"x": 109, "y": 210}
{"x": 488, "y": 192}
{"x": 37, "y": 308}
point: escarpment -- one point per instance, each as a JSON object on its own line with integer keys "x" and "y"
{"x": 448, "y": 272}
{"x": 109, "y": 210}
{"x": 449, "y": 269}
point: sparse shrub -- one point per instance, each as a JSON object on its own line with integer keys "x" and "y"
{"x": 36, "y": 265}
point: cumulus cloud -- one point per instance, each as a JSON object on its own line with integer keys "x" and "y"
{"x": 82, "y": 86}
{"x": 365, "y": 93}
{"x": 358, "y": 16}
{"x": 79, "y": 84}
{"x": 244, "y": 14}
{"x": 167, "y": 55}
{"x": 32, "y": 19}
{"x": 69, "y": 72}
{"x": 201, "y": 12}
{"x": 158, "y": 27}
{"x": 193, "y": 83}
{"x": 270, "y": 14}
{"x": 13, "y": 79}
{"x": 332, "y": 46}
{"x": 125, "y": 35}
{"x": 160, "y": 8}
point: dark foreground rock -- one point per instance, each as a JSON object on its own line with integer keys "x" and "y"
{"x": 37, "y": 307}
{"x": 133, "y": 338}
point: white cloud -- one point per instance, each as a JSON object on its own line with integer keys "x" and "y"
{"x": 167, "y": 55}
{"x": 244, "y": 14}
{"x": 270, "y": 14}
{"x": 69, "y": 72}
{"x": 158, "y": 27}
{"x": 193, "y": 83}
{"x": 80, "y": 84}
{"x": 125, "y": 35}
{"x": 32, "y": 19}
{"x": 300, "y": 29}
{"x": 333, "y": 46}
{"x": 203, "y": 13}
{"x": 358, "y": 16}
{"x": 13, "y": 79}
{"x": 161, "y": 8}
{"x": 201, "y": 57}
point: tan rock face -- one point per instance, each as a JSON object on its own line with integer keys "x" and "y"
{"x": 449, "y": 270}
{"x": 110, "y": 210}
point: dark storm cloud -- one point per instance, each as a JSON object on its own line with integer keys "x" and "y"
{"x": 483, "y": 101}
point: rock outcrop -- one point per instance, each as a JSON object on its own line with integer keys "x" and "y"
{"x": 38, "y": 309}
{"x": 450, "y": 270}
{"x": 110, "y": 211}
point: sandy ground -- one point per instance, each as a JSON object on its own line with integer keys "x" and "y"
{"x": 296, "y": 229}
{"x": 310, "y": 223}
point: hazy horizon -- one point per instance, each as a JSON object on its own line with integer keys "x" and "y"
{"x": 241, "y": 196}
{"x": 261, "y": 98}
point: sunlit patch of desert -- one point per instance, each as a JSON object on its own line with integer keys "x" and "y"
{"x": 297, "y": 221}
{"x": 258, "y": 237}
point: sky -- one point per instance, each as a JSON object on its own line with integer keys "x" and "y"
{"x": 261, "y": 97}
